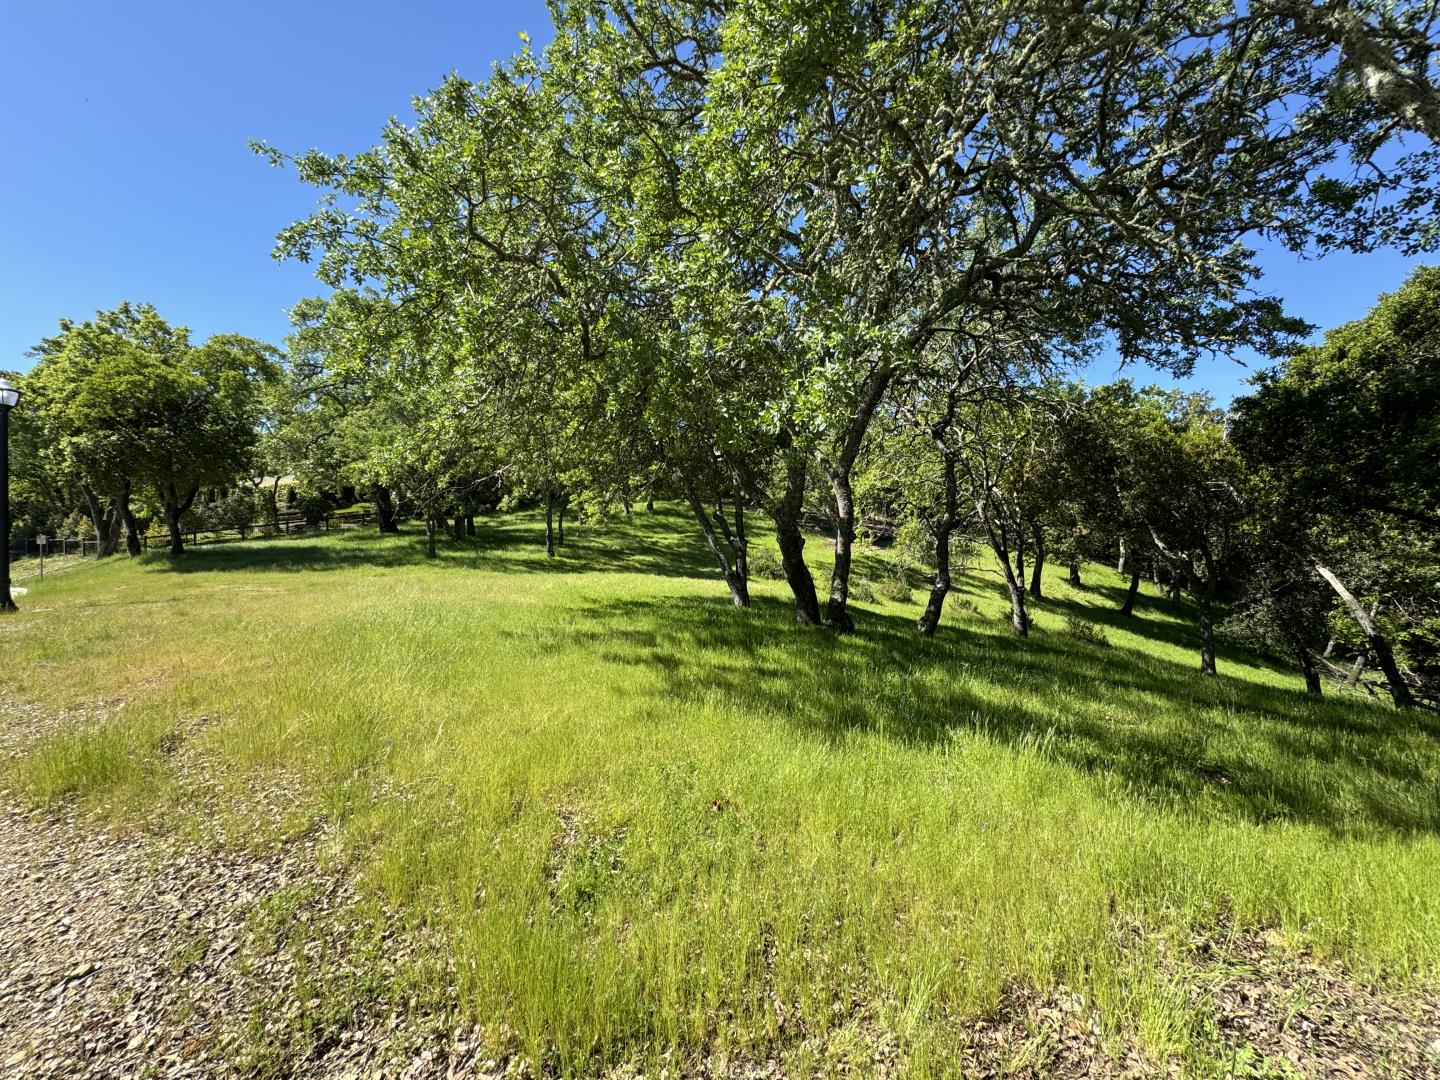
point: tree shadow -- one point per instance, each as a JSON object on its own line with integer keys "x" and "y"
{"x": 1229, "y": 746}
{"x": 652, "y": 543}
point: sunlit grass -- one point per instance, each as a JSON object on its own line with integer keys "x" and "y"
{"x": 648, "y": 821}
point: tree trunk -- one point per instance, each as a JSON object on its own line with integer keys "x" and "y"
{"x": 1379, "y": 645}
{"x": 430, "y": 536}
{"x": 385, "y": 509}
{"x": 1310, "y": 669}
{"x": 1075, "y": 573}
{"x": 792, "y": 545}
{"x": 172, "y": 523}
{"x": 174, "y": 509}
{"x": 837, "y": 614}
{"x": 132, "y": 530}
{"x": 735, "y": 580}
{"x": 1203, "y": 597}
{"x": 457, "y": 532}
{"x": 105, "y": 516}
{"x": 1120, "y": 563}
{"x": 1128, "y": 608}
{"x": 469, "y": 524}
{"x": 1037, "y": 585}
{"x": 564, "y": 503}
{"x": 929, "y": 620}
{"x": 549, "y": 523}
{"x": 941, "y": 529}
{"x": 1356, "y": 670}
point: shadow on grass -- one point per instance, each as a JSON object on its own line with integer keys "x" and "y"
{"x": 656, "y": 543}
{"x": 1226, "y": 745}
{"x": 1240, "y": 748}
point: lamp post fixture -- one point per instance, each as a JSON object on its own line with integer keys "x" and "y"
{"x": 9, "y": 397}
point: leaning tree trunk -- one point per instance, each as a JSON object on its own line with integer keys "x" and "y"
{"x": 385, "y": 509}
{"x": 1356, "y": 670}
{"x": 734, "y": 578}
{"x": 1014, "y": 582}
{"x": 1379, "y": 644}
{"x": 1128, "y": 608}
{"x": 1037, "y": 570}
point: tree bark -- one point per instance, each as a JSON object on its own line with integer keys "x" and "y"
{"x": 105, "y": 517}
{"x": 1379, "y": 644}
{"x": 929, "y": 620}
{"x": 941, "y": 528}
{"x": 1308, "y": 667}
{"x": 1356, "y": 670}
{"x": 469, "y": 524}
{"x": 837, "y": 614}
{"x": 1075, "y": 573}
{"x": 563, "y": 503}
{"x": 791, "y": 541}
{"x": 1203, "y": 597}
{"x": 385, "y": 509}
{"x": 457, "y": 531}
{"x": 550, "y": 523}
{"x": 1037, "y": 569}
{"x": 1128, "y": 608}
{"x": 132, "y": 530}
{"x": 1120, "y": 563}
{"x": 430, "y": 536}
{"x": 735, "y": 579}
{"x": 174, "y": 509}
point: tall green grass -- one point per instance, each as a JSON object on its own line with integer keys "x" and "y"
{"x": 650, "y": 823}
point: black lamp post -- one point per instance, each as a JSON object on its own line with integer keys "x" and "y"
{"x": 9, "y": 396}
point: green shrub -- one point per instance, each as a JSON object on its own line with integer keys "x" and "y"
{"x": 863, "y": 589}
{"x": 1087, "y": 632}
{"x": 765, "y": 564}
{"x": 896, "y": 588}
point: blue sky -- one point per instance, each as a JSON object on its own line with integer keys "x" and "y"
{"x": 127, "y": 173}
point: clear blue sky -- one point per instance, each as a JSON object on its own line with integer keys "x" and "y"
{"x": 127, "y": 174}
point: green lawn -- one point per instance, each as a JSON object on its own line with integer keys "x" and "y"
{"x": 648, "y": 821}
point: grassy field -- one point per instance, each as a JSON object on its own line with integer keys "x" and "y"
{"x": 648, "y": 822}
